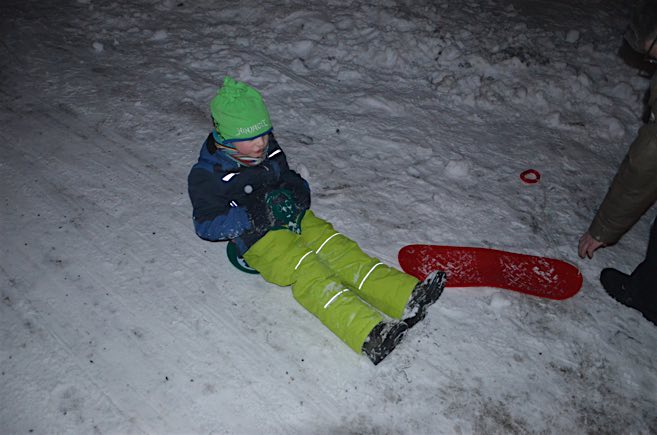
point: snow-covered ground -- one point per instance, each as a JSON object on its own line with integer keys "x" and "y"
{"x": 411, "y": 120}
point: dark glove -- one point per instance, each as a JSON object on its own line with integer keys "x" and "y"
{"x": 260, "y": 216}
{"x": 302, "y": 196}
{"x": 284, "y": 210}
{"x": 299, "y": 188}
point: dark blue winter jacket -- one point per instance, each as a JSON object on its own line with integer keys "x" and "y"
{"x": 229, "y": 198}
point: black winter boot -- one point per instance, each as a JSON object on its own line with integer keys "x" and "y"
{"x": 617, "y": 285}
{"x": 382, "y": 339}
{"x": 424, "y": 294}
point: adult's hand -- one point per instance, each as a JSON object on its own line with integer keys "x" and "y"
{"x": 588, "y": 245}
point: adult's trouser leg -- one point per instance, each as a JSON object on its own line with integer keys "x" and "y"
{"x": 644, "y": 278}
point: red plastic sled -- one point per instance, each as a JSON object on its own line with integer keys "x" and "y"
{"x": 483, "y": 267}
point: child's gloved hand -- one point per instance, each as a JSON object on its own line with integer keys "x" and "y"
{"x": 302, "y": 198}
{"x": 284, "y": 210}
{"x": 299, "y": 189}
{"x": 260, "y": 216}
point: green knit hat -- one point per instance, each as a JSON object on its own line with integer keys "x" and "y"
{"x": 238, "y": 112}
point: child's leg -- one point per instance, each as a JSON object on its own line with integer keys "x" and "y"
{"x": 283, "y": 258}
{"x": 384, "y": 287}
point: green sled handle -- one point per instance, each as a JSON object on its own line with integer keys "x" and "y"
{"x": 237, "y": 261}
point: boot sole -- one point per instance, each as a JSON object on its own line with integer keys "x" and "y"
{"x": 436, "y": 288}
{"x": 381, "y": 354}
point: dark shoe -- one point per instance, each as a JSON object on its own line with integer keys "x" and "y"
{"x": 617, "y": 285}
{"x": 383, "y": 339}
{"x": 424, "y": 294}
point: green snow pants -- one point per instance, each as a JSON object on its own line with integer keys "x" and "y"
{"x": 332, "y": 278}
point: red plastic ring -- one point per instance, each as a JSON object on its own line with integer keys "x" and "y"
{"x": 530, "y": 176}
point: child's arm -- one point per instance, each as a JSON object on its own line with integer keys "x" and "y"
{"x": 223, "y": 227}
{"x": 290, "y": 179}
{"x": 216, "y": 215}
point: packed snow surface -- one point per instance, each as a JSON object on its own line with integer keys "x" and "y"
{"x": 412, "y": 121}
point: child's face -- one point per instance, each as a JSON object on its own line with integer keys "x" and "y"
{"x": 254, "y": 147}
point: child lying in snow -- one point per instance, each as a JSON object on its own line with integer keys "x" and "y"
{"x": 242, "y": 190}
